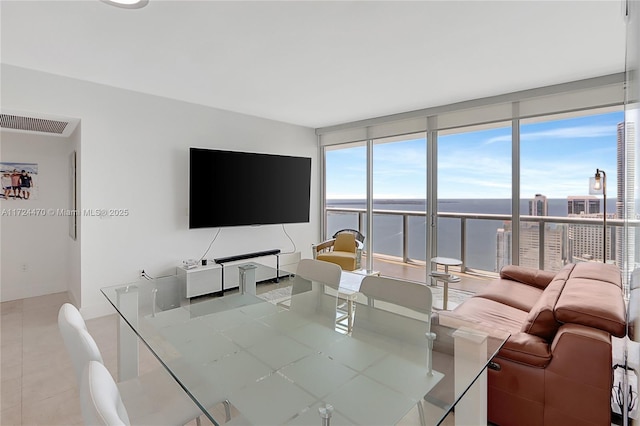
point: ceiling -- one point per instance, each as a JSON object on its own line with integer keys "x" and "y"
{"x": 322, "y": 63}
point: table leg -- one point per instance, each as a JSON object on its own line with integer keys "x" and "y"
{"x": 470, "y": 348}
{"x": 127, "y": 299}
{"x": 445, "y": 294}
{"x": 325, "y": 414}
{"x": 247, "y": 278}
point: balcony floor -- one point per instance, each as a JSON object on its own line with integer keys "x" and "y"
{"x": 395, "y": 268}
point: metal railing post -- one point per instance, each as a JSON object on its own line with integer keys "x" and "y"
{"x": 541, "y": 232}
{"x": 463, "y": 244}
{"x": 405, "y": 238}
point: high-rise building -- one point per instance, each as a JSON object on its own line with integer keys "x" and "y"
{"x": 552, "y": 235}
{"x": 582, "y": 205}
{"x": 538, "y": 206}
{"x": 585, "y": 240}
{"x": 503, "y": 246}
{"x": 554, "y": 245}
{"x": 626, "y": 170}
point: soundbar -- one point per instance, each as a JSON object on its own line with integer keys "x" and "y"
{"x": 246, "y": 256}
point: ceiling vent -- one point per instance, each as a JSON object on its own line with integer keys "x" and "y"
{"x": 37, "y": 123}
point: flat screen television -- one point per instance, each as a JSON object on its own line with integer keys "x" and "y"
{"x": 232, "y": 188}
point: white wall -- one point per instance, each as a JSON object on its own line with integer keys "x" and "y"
{"x": 35, "y": 247}
{"x": 134, "y": 155}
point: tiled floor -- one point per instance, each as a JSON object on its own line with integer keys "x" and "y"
{"x": 38, "y": 385}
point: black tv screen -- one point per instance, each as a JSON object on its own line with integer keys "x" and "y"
{"x": 231, "y": 188}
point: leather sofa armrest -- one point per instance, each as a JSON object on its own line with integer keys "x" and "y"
{"x": 531, "y": 276}
{"x": 579, "y": 378}
{"x": 528, "y": 349}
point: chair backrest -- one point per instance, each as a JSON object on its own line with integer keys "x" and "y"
{"x": 398, "y": 310}
{"x": 79, "y": 343}
{"x": 321, "y": 271}
{"x": 345, "y": 242}
{"x": 308, "y": 293}
{"x": 410, "y": 295}
{"x": 100, "y": 399}
{"x": 355, "y": 233}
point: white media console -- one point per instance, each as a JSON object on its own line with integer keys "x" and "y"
{"x": 223, "y": 274}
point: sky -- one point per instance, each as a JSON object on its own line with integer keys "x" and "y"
{"x": 557, "y": 159}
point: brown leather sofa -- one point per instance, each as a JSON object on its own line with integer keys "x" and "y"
{"x": 556, "y": 368}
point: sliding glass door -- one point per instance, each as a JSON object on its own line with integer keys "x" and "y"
{"x": 346, "y": 187}
{"x": 399, "y": 205}
{"x": 561, "y": 219}
{"x": 474, "y": 195}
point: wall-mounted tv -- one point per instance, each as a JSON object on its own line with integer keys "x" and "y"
{"x": 231, "y": 188}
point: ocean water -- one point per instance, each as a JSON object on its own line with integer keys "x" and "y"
{"x": 481, "y": 234}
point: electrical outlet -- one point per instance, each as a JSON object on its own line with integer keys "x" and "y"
{"x": 142, "y": 273}
{"x": 25, "y": 267}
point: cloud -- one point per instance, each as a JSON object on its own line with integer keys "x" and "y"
{"x": 560, "y": 133}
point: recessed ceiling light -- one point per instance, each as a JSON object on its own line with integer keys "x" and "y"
{"x": 127, "y": 4}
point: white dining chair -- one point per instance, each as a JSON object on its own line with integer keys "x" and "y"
{"x": 402, "y": 310}
{"x": 318, "y": 270}
{"x": 100, "y": 399}
{"x": 152, "y": 398}
{"x": 309, "y": 295}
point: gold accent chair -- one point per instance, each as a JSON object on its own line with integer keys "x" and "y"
{"x": 344, "y": 249}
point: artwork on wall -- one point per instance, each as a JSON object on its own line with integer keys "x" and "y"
{"x": 19, "y": 181}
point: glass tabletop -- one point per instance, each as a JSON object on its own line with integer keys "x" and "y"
{"x": 289, "y": 362}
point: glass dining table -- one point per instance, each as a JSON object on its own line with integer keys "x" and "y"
{"x": 286, "y": 361}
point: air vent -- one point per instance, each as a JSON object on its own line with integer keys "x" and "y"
{"x": 31, "y": 124}
{"x": 38, "y": 123}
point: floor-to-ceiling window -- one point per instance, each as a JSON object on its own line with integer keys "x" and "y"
{"x": 489, "y": 182}
{"x": 558, "y": 155}
{"x": 399, "y": 202}
{"x": 474, "y": 185}
{"x": 346, "y": 187}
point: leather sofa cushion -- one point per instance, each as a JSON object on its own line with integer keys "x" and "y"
{"x": 526, "y": 349}
{"x": 515, "y": 294}
{"x": 592, "y": 296}
{"x": 598, "y": 272}
{"x": 531, "y": 276}
{"x": 541, "y": 320}
{"x": 491, "y": 314}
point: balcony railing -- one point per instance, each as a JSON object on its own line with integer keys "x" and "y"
{"x": 357, "y": 219}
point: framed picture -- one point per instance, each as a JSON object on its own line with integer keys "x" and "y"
{"x": 19, "y": 181}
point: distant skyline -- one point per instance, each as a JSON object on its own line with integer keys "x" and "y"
{"x": 557, "y": 159}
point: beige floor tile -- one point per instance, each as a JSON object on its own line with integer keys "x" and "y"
{"x": 46, "y": 316}
{"x": 104, "y": 330}
{"x": 42, "y": 339}
{"x": 60, "y": 409}
{"x": 10, "y": 307}
{"x": 11, "y": 416}
{"x": 39, "y": 303}
{"x": 11, "y": 329}
{"x": 49, "y": 377}
{"x": 11, "y": 362}
{"x": 10, "y": 393}
{"x": 33, "y": 362}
